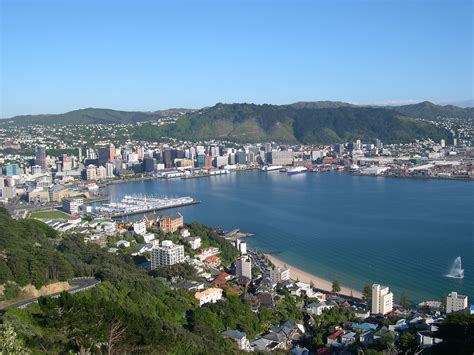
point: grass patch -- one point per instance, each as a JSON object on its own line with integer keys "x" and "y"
{"x": 51, "y": 214}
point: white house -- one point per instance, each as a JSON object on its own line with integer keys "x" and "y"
{"x": 148, "y": 237}
{"x": 194, "y": 243}
{"x": 184, "y": 233}
{"x": 318, "y": 308}
{"x": 240, "y": 338}
{"x": 139, "y": 227}
{"x": 211, "y": 295}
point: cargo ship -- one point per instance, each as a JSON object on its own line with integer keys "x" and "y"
{"x": 297, "y": 170}
{"x": 268, "y": 168}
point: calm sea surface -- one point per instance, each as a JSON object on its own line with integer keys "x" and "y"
{"x": 402, "y": 233}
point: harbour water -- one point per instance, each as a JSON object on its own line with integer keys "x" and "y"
{"x": 404, "y": 233}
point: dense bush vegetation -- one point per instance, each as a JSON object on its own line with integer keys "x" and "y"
{"x": 27, "y": 255}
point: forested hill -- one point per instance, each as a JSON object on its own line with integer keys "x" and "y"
{"x": 130, "y": 311}
{"x": 429, "y": 111}
{"x": 91, "y": 116}
{"x": 27, "y": 255}
{"x": 287, "y": 124}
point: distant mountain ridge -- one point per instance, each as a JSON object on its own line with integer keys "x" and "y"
{"x": 286, "y": 124}
{"x": 92, "y": 116}
{"x": 425, "y": 110}
{"x": 430, "y": 111}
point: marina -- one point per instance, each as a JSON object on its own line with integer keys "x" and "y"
{"x": 136, "y": 204}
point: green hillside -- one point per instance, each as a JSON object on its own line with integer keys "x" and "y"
{"x": 91, "y": 116}
{"x": 27, "y": 255}
{"x": 429, "y": 111}
{"x": 149, "y": 316}
{"x": 286, "y": 124}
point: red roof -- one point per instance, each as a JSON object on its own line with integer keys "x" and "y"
{"x": 222, "y": 275}
{"x": 334, "y": 335}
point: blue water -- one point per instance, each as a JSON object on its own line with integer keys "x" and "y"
{"x": 403, "y": 233}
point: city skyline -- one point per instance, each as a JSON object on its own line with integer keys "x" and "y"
{"x": 161, "y": 55}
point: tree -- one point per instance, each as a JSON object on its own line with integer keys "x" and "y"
{"x": 404, "y": 301}
{"x": 367, "y": 293}
{"x": 407, "y": 342}
{"x": 336, "y": 286}
{"x": 457, "y": 332}
{"x": 116, "y": 333}
{"x": 9, "y": 342}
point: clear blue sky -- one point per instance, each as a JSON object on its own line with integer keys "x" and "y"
{"x": 58, "y": 56}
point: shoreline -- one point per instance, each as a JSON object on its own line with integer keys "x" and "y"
{"x": 319, "y": 282}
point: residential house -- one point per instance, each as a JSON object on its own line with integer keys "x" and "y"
{"x": 334, "y": 337}
{"x": 426, "y": 339}
{"x": 213, "y": 261}
{"x": 366, "y": 338}
{"x": 207, "y": 252}
{"x": 239, "y": 337}
{"x": 348, "y": 338}
{"x": 194, "y": 242}
{"x": 184, "y": 232}
{"x": 318, "y": 308}
{"x": 211, "y": 295}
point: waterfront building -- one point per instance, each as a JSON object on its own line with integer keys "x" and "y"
{"x": 109, "y": 169}
{"x": 40, "y": 159}
{"x": 167, "y": 254}
{"x": 455, "y": 302}
{"x": 101, "y": 173}
{"x": 72, "y": 205}
{"x": 167, "y": 158}
{"x": 211, "y": 295}
{"x": 201, "y": 160}
{"x": 241, "y": 157}
{"x": 220, "y": 162}
{"x": 91, "y": 172}
{"x": 243, "y": 267}
{"x": 208, "y": 162}
{"x": 283, "y": 157}
{"x": 148, "y": 165}
{"x": 170, "y": 224}
{"x": 382, "y": 299}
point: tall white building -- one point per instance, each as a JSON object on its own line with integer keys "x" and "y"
{"x": 382, "y": 299}
{"x": 243, "y": 267}
{"x": 455, "y": 302}
{"x": 167, "y": 254}
{"x": 241, "y": 246}
{"x": 109, "y": 169}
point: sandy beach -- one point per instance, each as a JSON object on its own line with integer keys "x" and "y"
{"x": 318, "y": 282}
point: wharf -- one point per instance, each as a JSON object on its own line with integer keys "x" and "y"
{"x": 135, "y": 212}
